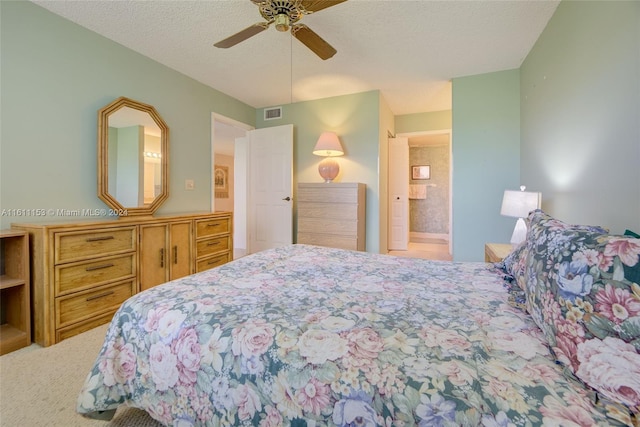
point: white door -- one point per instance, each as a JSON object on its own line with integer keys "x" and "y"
{"x": 270, "y": 211}
{"x": 398, "y": 194}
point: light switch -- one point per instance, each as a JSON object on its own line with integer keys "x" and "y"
{"x": 189, "y": 184}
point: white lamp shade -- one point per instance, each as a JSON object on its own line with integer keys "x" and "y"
{"x": 328, "y": 145}
{"x": 518, "y": 204}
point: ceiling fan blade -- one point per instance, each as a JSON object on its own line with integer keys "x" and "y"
{"x": 316, "y": 5}
{"x": 313, "y": 41}
{"x": 242, "y": 35}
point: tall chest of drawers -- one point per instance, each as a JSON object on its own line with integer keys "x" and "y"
{"x": 332, "y": 214}
{"x": 83, "y": 271}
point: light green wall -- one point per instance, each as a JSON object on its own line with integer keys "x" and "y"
{"x": 55, "y": 77}
{"x": 418, "y": 122}
{"x": 355, "y": 119}
{"x": 580, "y": 89}
{"x": 486, "y": 159}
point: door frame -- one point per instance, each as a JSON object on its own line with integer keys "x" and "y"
{"x": 398, "y": 187}
{"x": 242, "y": 128}
{"x": 448, "y": 131}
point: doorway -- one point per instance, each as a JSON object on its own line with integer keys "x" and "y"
{"x": 229, "y": 155}
{"x": 258, "y": 164}
{"x": 429, "y": 214}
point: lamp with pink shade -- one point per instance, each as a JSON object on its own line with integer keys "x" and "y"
{"x": 328, "y": 146}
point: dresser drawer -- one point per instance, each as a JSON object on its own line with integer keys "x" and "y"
{"x": 215, "y": 261}
{"x": 328, "y": 240}
{"x": 211, "y": 246}
{"x": 74, "y": 246}
{"x": 210, "y": 227}
{"x": 328, "y": 226}
{"x": 78, "y": 328}
{"x": 325, "y": 210}
{"x": 86, "y": 305}
{"x": 89, "y": 274}
{"x": 328, "y": 193}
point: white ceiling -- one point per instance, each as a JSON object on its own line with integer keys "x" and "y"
{"x": 407, "y": 49}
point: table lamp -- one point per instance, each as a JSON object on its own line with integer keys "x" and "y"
{"x": 518, "y": 204}
{"x": 328, "y": 146}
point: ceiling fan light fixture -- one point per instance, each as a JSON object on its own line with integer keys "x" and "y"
{"x": 282, "y": 22}
{"x": 286, "y": 14}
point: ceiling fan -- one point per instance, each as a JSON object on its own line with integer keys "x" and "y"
{"x": 286, "y": 14}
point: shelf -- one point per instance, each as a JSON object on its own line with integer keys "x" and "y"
{"x": 10, "y": 282}
{"x": 15, "y": 317}
{"x": 12, "y": 338}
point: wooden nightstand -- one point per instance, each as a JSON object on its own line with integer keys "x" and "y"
{"x": 495, "y": 252}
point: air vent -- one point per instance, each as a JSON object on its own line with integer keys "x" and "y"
{"x": 273, "y": 113}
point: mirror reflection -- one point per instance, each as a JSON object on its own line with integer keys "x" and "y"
{"x": 135, "y": 153}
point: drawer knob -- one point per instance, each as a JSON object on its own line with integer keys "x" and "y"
{"x": 213, "y": 243}
{"x": 98, "y": 267}
{"x": 106, "y": 294}
{"x": 213, "y": 225}
{"x": 99, "y": 238}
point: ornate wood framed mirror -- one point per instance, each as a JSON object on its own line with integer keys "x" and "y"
{"x": 133, "y": 151}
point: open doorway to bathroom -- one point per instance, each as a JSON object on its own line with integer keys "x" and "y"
{"x": 429, "y": 212}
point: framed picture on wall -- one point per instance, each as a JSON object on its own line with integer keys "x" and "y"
{"x": 421, "y": 172}
{"x": 221, "y": 181}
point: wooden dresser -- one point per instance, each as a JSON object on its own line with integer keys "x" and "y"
{"x": 83, "y": 271}
{"x": 332, "y": 214}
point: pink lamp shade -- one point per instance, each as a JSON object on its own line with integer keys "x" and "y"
{"x": 328, "y": 146}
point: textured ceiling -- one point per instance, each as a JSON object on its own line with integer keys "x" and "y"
{"x": 409, "y": 50}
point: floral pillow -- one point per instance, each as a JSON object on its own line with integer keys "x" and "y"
{"x": 514, "y": 264}
{"x": 578, "y": 291}
{"x": 628, "y": 232}
{"x": 513, "y": 267}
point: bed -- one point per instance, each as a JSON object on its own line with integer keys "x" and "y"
{"x": 312, "y": 336}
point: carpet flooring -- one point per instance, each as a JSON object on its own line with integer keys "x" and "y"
{"x": 39, "y": 386}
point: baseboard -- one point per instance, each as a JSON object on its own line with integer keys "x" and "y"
{"x": 421, "y": 235}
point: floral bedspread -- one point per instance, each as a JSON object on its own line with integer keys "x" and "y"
{"x": 304, "y": 335}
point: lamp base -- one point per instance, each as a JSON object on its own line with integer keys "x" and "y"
{"x": 328, "y": 169}
{"x": 519, "y": 232}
